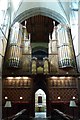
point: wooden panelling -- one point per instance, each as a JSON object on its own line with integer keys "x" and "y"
{"x": 39, "y": 26}
{"x": 65, "y": 94}
{"x": 14, "y": 94}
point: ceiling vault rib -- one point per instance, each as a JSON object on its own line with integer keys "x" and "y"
{"x": 63, "y": 10}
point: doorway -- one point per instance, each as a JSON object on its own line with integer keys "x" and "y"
{"x": 40, "y": 104}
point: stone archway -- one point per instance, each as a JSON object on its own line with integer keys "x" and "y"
{"x": 40, "y": 104}
{"x": 40, "y": 11}
{"x": 40, "y": 82}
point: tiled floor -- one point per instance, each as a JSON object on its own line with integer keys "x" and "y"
{"x": 40, "y": 115}
{"x": 40, "y": 119}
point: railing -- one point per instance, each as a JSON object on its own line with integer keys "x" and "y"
{"x": 14, "y": 62}
{"x": 35, "y": 66}
{"x": 19, "y": 114}
{"x": 66, "y": 63}
{"x": 22, "y": 115}
{"x": 58, "y": 115}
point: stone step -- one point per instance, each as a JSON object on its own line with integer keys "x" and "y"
{"x": 40, "y": 119}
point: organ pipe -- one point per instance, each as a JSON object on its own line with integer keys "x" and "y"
{"x": 14, "y": 48}
{"x": 65, "y": 47}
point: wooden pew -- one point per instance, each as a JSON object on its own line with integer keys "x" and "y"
{"x": 22, "y": 115}
{"x": 58, "y": 115}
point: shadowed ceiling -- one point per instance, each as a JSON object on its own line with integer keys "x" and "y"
{"x": 39, "y": 26}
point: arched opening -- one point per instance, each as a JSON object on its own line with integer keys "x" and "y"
{"x": 40, "y": 54}
{"x": 40, "y": 104}
{"x": 40, "y": 11}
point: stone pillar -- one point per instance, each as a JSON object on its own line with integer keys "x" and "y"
{"x": 78, "y": 85}
{"x": 1, "y": 58}
{"x": 78, "y": 57}
{"x": 53, "y": 56}
{"x": 0, "y": 97}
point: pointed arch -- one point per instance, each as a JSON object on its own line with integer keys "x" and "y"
{"x": 40, "y": 103}
{"x": 40, "y": 11}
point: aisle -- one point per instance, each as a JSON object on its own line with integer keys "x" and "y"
{"x": 40, "y": 115}
{"x": 40, "y": 119}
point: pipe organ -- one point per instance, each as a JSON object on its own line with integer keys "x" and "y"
{"x": 46, "y": 65}
{"x": 53, "y": 51}
{"x": 60, "y": 51}
{"x": 65, "y": 48}
{"x": 14, "y": 46}
{"x": 19, "y": 46}
{"x": 34, "y": 65}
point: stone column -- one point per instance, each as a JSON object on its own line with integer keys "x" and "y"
{"x": 0, "y": 97}
{"x": 78, "y": 85}
{"x": 78, "y": 57}
{"x": 79, "y": 63}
